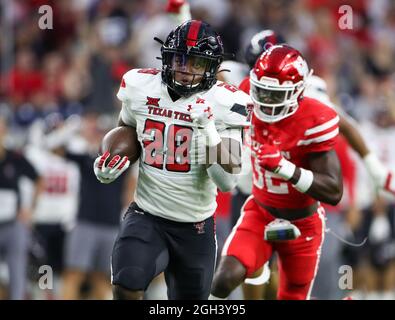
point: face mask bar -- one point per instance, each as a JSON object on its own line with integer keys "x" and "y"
{"x": 178, "y": 63}
{"x": 274, "y": 102}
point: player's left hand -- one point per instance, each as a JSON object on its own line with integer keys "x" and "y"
{"x": 107, "y": 173}
{"x": 203, "y": 118}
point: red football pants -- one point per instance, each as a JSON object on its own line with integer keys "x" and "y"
{"x": 298, "y": 259}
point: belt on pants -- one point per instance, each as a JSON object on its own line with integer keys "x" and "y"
{"x": 290, "y": 214}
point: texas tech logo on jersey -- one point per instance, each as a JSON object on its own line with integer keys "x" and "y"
{"x": 152, "y": 101}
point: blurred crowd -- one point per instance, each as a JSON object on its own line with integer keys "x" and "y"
{"x": 70, "y": 74}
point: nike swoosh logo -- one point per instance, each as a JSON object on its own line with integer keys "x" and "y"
{"x": 277, "y": 142}
{"x": 309, "y": 238}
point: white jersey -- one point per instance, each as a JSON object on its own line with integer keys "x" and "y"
{"x": 380, "y": 142}
{"x": 177, "y": 189}
{"x": 58, "y": 202}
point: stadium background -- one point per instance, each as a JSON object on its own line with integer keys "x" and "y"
{"x": 70, "y": 74}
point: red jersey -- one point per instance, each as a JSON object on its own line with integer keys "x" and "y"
{"x": 313, "y": 128}
{"x": 245, "y": 85}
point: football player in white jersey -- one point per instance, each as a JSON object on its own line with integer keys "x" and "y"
{"x": 190, "y": 128}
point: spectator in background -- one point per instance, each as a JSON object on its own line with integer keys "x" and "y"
{"x": 89, "y": 244}
{"x": 107, "y": 64}
{"x": 375, "y": 262}
{"x": 56, "y": 206}
{"x": 15, "y": 220}
{"x": 25, "y": 79}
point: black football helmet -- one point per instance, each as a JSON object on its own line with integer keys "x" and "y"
{"x": 193, "y": 43}
{"x": 259, "y": 43}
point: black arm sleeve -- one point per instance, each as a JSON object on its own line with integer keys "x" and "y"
{"x": 27, "y": 170}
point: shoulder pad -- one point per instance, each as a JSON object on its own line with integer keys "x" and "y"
{"x": 232, "y": 106}
{"x": 135, "y": 78}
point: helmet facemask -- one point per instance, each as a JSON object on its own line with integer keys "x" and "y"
{"x": 273, "y": 101}
{"x": 188, "y": 73}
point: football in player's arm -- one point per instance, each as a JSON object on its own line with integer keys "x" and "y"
{"x": 184, "y": 118}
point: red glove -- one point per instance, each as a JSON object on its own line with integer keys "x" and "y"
{"x": 269, "y": 156}
{"x": 174, "y": 6}
{"x": 390, "y": 183}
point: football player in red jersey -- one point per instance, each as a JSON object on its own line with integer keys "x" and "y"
{"x": 382, "y": 177}
{"x": 295, "y": 167}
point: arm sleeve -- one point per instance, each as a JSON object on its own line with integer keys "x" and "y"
{"x": 27, "y": 169}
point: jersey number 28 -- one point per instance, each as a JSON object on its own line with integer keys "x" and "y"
{"x": 167, "y": 146}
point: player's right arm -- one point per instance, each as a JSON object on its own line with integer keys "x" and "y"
{"x": 106, "y": 169}
{"x": 223, "y": 159}
{"x": 381, "y": 176}
{"x": 322, "y": 181}
{"x": 321, "y": 176}
{"x": 348, "y": 128}
{"x": 326, "y": 179}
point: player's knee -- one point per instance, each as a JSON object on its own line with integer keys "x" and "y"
{"x": 132, "y": 278}
{"x": 229, "y": 275}
{"x": 121, "y": 293}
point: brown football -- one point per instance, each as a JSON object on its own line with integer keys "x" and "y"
{"x": 122, "y": 141}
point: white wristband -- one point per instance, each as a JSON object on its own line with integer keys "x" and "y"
{"x": 305, "y": 181}
{"x": 286, "y": 169}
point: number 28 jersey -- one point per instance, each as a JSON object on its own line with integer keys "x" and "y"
{"x": 313, "y": 128}
{"x": 173, "y": 182}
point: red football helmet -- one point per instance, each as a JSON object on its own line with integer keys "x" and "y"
{"x": 277, "y": 83}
